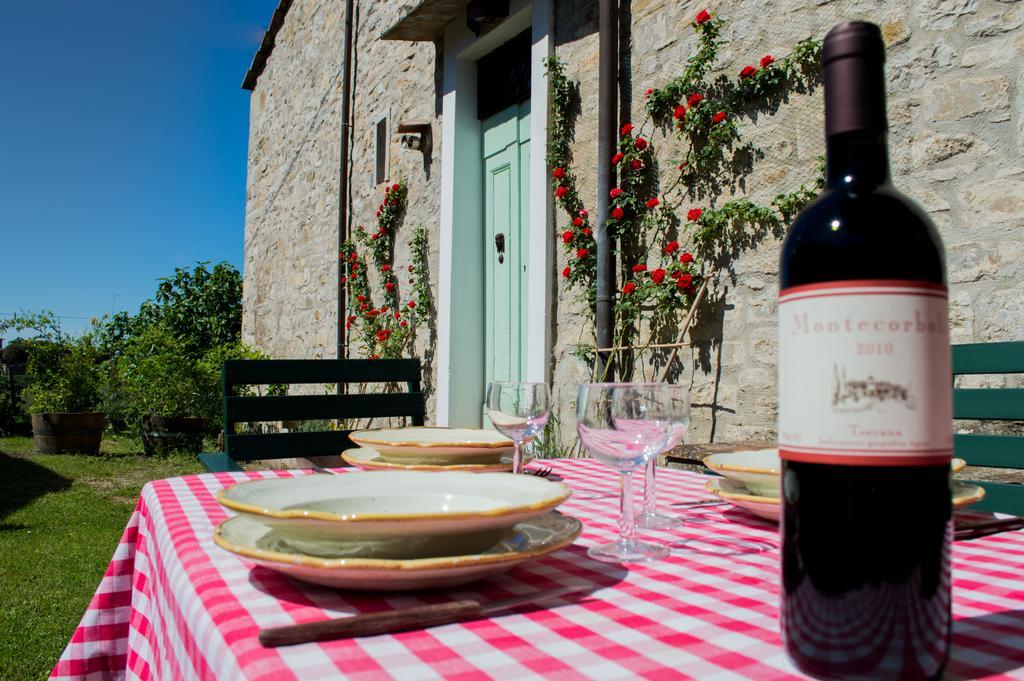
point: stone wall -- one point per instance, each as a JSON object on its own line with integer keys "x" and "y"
{"x": 956, "y": 108}
{"x": 291, "y": 232}
{"x": 956, "y": 103}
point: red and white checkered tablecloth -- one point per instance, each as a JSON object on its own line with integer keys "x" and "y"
{"x": 172, "y": 605}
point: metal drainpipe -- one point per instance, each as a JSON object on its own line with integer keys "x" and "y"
{"x": 607, "y": 136}
{"x": 343, "y": 193}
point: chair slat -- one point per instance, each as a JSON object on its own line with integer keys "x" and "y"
{"x": 1001, "y": 497}
{"x": 304, "y": 407}
{"x": 992, "y": 404}
{"x": 218, "y": 462}
{"x": 288, "y": 445}
{"x": 989, "y": 358}
{"x": 266, "y": 371}
{"x": 1000, "y": 451}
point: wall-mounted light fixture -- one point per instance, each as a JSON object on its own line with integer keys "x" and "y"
{"x": 481, "y": 13}
{"x": 416, "y": 136}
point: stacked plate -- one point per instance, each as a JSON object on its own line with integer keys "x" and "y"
{"x": 752, "y": 481}
{"x": 395, "y": 530}
{"x": 471, "y": 450}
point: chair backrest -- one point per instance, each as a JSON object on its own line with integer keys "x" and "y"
{"x": 248, "y": 408}
{"x": 991, "y": 404}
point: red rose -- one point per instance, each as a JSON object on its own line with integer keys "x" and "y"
{"x": 649, "y": 92}
{"x": 383, "y": 308}
{"x": 583, "y": 213}
{"x": 378, "y": 212}
{"x": 747, "y": 71}
{"x": 719, "y": 117}
{"x": 672, "y": 247}
{"x": 582, "y": 253}
{"x": 686, "y": 257}
{"x": 351, "y": 318}
{"x": 566, "y": 236}
{"x": 767, "y": 60}
{"x": 410, "y": 268}
{"x": 694, "y": 214}
{"x": 412, "y": 304}
{"x": 680, "y": 112}
{"x": 412, "y": 281}
{"x": 387, "y": 190}
{"x": 616, "y": 158}
{"x": 628, "y": 288}
{"x": 373, "y": 237}
{"x": 586, "y": 230}
{"x": 558, "y": 173}
{"x": 684, "y": 281}
{"x": 363, "y": 306}
{"x": 639, "y": 268}
{"x": 636, "y": 164}
{"x": 566, "y": 272}
{"x": 403, "y": 323}
{"x": 683, "y": 165}
{"x": 658, "y": 276}
{"x": 394, "y": 187}
{"x": 385, "y": 268}
{"x": 343, "y": 279}
{"x": 615, "y": 193}
{"x": 561, "y": 191}
{"x": 577, "y": 222}
{"x": 640, "y": 143}
{"x": 618, "y": 213}
{"x": 627, "y": 129}
{"x": 397, "y": 315}
{"x": 348, "y": 325}
{"x": 390, "y": 286}
{"x": 374, "y": 356}
{"x": 353, "y": 256}
{"x": 676, "y": 274}
{"x": 701, "y": 17}
{"x": 382, "y": 334}
{"x": 361, "y": 298}
{"x": 694, "y": 100}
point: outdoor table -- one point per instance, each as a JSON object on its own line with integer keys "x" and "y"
{"x": 174, "y": 605}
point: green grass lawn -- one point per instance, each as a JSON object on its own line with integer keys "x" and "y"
{"x": 60, "y": 519}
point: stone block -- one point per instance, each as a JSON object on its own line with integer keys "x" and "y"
{"x": 994, "y": 203}
{"x": 930, "y": 147}
{"x": 959, "y": 98}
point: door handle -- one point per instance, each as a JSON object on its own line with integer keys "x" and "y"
{"x": 499, "y": 244}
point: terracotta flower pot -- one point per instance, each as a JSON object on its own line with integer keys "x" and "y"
{"x": 68, "y": 432}
{"x": 164, "y": 434}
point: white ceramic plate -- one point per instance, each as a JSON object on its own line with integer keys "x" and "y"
{"x": 759, "y": 469}
{"x": 445, "y": 445}
{"x": 529, "y": 540}
{"x": 394, "y": 504}
{"x": 372, "y": 460}
{"x": 770, "y": 508}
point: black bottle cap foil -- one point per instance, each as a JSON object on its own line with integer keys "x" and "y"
{"x": 852, "y": 59}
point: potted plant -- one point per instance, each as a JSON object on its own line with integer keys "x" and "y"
{"x": 63, "y": 396}
{"x": 163, "y": 389}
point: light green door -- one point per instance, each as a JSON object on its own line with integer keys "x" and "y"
{"x": 506, "y": 152}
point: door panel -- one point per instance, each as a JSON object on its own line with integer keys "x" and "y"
{"x": 506, "y": 164}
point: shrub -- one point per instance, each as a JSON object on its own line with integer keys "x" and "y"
{"x": 16, "y": 352}
{"x": 63, "y": 376}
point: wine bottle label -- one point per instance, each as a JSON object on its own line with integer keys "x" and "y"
{"x": 865, "y": 374}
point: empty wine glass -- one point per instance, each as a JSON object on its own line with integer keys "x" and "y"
{"x": 679, "y": 422}
{"x": 624, "y": 425}
{"x": 519, "y": 411}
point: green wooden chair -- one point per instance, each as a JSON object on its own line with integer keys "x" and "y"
{"x": 991, "y": 404}
{"x": 248, "y": 409}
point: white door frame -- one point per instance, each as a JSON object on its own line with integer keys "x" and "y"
{"x": 460, "y": 318}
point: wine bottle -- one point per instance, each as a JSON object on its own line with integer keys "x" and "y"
{"x": 865, "y": 404}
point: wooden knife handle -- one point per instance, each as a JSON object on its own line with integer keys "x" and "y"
{"x": 372, "y": 624}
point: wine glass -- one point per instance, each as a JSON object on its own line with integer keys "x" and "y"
{"x": 519, "y": 411}
{"x": 679, "y": 422}
{"x": 624, "y": 425}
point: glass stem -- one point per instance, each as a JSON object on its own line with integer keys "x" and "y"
{"x": 517, "y": 458}
{"x": 627, "y": 528}
{"x": 650, "y": 490}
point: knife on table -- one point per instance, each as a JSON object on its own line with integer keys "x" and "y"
{"x": 402, "y": 619}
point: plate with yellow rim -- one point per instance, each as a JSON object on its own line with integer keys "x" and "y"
{"x": 372, "y": 460}
{"x": 770, "y": 508}
{"x": 529, "y": 540}
{"x": 453, "y": 445}
{"x": 394, "y": 504}
{"x": 759, "y": 469}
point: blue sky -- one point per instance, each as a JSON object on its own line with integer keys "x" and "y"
{"x": 123, "y": 139}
